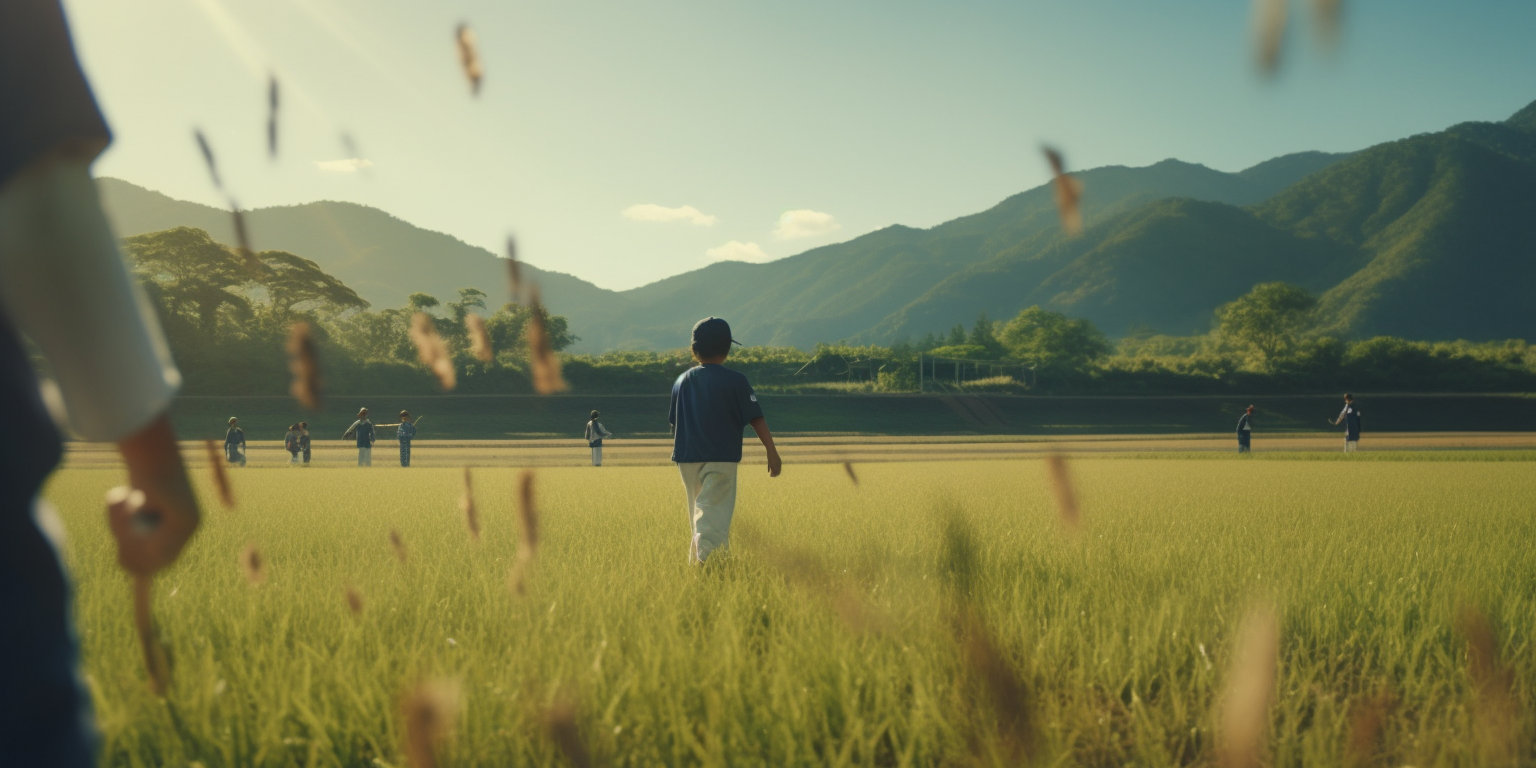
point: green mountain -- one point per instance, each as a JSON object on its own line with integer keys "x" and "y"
{"x": 381, "y": 257}
{"x": 1428, "y": 237}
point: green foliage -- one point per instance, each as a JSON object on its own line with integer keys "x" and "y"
{"x": 1269, "y": 320}
{"x": 962, "y": 352}
{"x": 1052, "y": 341}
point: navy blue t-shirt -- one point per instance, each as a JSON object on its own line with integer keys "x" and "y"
{"x": 710, "y": 406}
{"x": 1351, "y": 416}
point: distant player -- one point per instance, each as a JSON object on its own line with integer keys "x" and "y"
{"x": 406, "y": 432}
{"x": 234, "y": 443}
{"x": 710, "y": 406}
{"x": 362, "y": 429}
{"x": 595, "y": 434}
{"x": 1350, "y": 418}
{"x": 1245, "y": 431}
{"x": 304, "y": 440}
{"x": 291, "y": 443}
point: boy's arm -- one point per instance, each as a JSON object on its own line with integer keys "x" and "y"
{"x": 760, "y": 426}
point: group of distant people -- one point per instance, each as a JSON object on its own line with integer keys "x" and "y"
{"x": 1349, "y": 417}
{"x": 297, "y": 441}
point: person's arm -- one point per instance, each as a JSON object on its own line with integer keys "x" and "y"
{"x": 760, "y": 426}
{"x": 65, "y": 285}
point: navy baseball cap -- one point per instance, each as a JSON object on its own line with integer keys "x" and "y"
{"x": 712, "y": 331}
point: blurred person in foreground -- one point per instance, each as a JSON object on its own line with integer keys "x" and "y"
{"x": 1350, "y": 418}
{"x": 1245, "y": 431}
{"x": 64, "y": 285}
{"x": 596, "y": 433}
{"x": 710, "y": 406}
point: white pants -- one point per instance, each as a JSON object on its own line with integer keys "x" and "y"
{"x": 1350, "y": 446}
{"x": 597, "y": 455}
{"x": 711, "y": 488}
{"x": 365, "y": 457}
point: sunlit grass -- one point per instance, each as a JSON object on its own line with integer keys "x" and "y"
{"x": 1120, "y": 630}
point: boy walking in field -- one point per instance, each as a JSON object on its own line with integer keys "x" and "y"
{"x": 595, "y": 434}
{"x": 710, "y": 406}
{"x": 1245, "y": 431}
{"x": 291, "y": 444}
{"x": 304, "y": 440}
{"x": 1350, "y": 417}
{"x": 234, "y": 443}
{"x": 362, "y": 429}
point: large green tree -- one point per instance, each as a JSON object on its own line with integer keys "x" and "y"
{"x": 1268, "y": 321}
{"x": 1052, "y": 341}
{"x": 192, "y": 277}
{"x": 295, "y": 283}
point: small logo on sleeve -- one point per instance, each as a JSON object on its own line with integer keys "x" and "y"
{"x": 753, "y": 398}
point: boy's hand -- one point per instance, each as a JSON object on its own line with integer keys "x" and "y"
{"x": 154, "y": 517}
{"x": 775, "y": 465}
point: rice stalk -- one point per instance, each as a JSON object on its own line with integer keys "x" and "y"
{"x": 1495, "y": 707}
{"x": 528, "y": 546}
{"x": 432, "y": 351}
{"x": 1069, "y": 194}
{"x": 479, "y": 339}
{"x": 272, "y": 103}
{"x": 560, "y": 724}
{"x": 467, "y": 503}
{"x": 304, "y": 364}
{"x": 1269, "y": 22}
{"x": 469, "y": 57}
{"x": 1060, "y": 479}
{"x": 429, "y": 709}
{"x": 354, "y": 601}
{"x": 398, "y": 544}
{"x": 1249, "y": 691}
{"x": 546, "y": 365}
{"x": 252, "y": 564}
{"x": 220, "y": 475}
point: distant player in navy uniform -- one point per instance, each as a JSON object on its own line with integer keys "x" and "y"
{"x": 304, "y": 440}
{"x": 234, "y": 443}
{"x": 1245, "y": 431}
{"x": 65, "y": 288}
{"x": 362, "y": 429}
{"x": 406, "y": 431}
{"x": 1350, "y": 418}
{"x": 595, "y": 435}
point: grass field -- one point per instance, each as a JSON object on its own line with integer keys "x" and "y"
{"x": 828, "y": 634}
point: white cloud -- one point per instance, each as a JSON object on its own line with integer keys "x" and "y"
{"x": 736, "y": 250}
{"x": 349, "y": 165}
{"x": 653, "y": 212}
{"x": 805, "y": 223}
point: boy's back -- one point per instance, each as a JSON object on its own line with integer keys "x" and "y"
{"x": 711, "y": 404}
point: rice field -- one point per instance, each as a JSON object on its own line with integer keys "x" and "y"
{"x": 934, "y": 613}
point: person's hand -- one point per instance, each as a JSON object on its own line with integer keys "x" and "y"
{"x": 153, "y": 517}
{"x": 775, "y": 465}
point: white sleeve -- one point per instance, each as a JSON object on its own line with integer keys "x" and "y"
{"x": 64, "y": 284}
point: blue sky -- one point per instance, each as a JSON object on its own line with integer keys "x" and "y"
{"x": 784, "y": 125}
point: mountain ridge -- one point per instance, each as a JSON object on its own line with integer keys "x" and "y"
{"x": 1375, "y": 233}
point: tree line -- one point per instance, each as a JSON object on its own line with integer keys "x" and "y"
{"x": 226, "y": 320}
